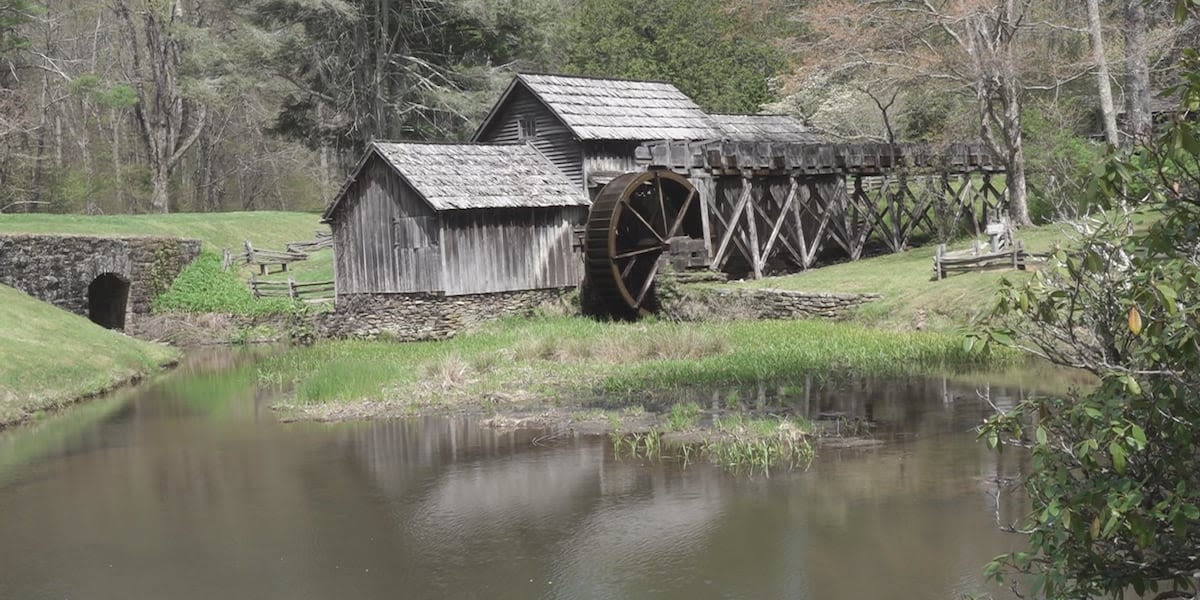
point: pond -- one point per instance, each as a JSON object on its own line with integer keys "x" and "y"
{"x": 189, "y": 487}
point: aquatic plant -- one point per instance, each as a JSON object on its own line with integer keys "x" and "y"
{"x": 645, "y": 444}
{"x": 758, "y": 444}
{"x": 683, "y": 416}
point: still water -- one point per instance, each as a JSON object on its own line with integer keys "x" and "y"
{"x": 189, "y": 488}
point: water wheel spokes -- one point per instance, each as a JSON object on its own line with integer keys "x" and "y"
{"x": 630, "y": 227}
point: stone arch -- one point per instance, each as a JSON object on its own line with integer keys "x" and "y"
{"x": 107, "y": 300}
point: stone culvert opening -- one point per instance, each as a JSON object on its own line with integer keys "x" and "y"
{"x": 108, "y": 296}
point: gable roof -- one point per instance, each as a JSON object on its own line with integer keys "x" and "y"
{"x": 466, "y": 176}
{"x": 763, "y": 128}
{"x": 613, "y": 109}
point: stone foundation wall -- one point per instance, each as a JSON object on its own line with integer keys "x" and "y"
{"x": 59, "y": 268}
{"x": 411, "y": 317}
{"x": 730, "y": 303}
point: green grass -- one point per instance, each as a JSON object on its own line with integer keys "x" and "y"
{"x": 571, "y": 360}
{"x": 204, "y": 287}
{"x": 910, "y": 296}
{"x": 50, "y": 357}
{"x": 683, "y": 416}
{"x": 266, "y": 229}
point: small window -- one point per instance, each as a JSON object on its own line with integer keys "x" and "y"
{"x": 528, "y": 128}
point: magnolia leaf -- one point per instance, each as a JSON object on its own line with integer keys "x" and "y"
{"x": 1139, "y": 435}
{"x": 1168, "y": 297}
{"x": 1001, "y": 337}
{"x": 1118, "y": 457}
{"x": 1131, "y": 385}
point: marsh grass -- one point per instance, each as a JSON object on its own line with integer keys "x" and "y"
{"x": 759, "y": 444}
{"x": 683, "y": 416}
{"x": 564, "y": 359}
{"x": 640, "y": 342}
{"x": 643, "y": 444}
{"x": 735, "y": 442}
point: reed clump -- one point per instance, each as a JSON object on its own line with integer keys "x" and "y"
{"x": 759, "y": 444}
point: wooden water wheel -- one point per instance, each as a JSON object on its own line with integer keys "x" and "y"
{"x": 635, "y": 220}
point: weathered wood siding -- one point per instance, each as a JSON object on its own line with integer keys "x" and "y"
{"x": 501, "y": 250}
{"x": 386, "y": 238}
{"x": 609, "y": 158}
{"x": 552, "y": 138}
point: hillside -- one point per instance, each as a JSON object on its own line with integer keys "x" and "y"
{"x": 50, "y": 357}
{"x": 911, "y": 299}
{"x": 268, "y": 229}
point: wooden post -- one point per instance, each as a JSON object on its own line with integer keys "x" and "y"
{"x": 752, "y": 223}
{"x": 291, "y": 288}
{"x": 226, "y": 259}
{"x": 798, "y": 222}
{"x": 705, "y": 188}
{"x": 937, "y": 262}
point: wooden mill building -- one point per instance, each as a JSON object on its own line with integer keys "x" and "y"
{"x": 591, "y": 128}
{"x": 455, "y": 219}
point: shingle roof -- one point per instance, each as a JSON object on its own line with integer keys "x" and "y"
{"x": 464, "y": 176}
{"x": 763, "y": 128}
{"x": 614, "y": 109}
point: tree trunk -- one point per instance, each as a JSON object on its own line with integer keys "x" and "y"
{"x": 118, "y": 171}
{"x": 1018, "y": 195}
{"x": 168, "y": 122}
{"x": 1137, "y": 72}
{"x": 160, "y": 197}
{"x": 1107, "y": 112}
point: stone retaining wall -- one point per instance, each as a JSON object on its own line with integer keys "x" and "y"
{"x": 410, "y": 317}
{"x": 729, "y": 303}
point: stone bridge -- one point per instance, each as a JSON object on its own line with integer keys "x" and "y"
{"x": 107, "y": 279}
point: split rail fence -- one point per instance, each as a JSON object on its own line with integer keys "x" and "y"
{"x": 308, "y": 292}
{"x": 265, "y": 259}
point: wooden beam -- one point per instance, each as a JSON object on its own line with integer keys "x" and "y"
{"x": 730, "y": 227}
{"x": 805, "y": 199}
{"x": 778, "y": 225}
{"x": 704, "y": 185}
{"x": 756, "y": 259}
{"x": 793, "y": 190}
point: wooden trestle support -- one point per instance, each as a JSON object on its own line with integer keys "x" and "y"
{"x": 781, "y": 207}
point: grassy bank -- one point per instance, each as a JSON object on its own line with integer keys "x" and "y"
{"x": 911, "y": 299}
{"x": 50, "y": 357}
{"x": 568, "y": 361}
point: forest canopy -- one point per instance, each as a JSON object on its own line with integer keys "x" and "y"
{"x": 205, "y": 105}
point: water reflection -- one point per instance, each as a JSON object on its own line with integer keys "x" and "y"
{"x": 190, "y": 489}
